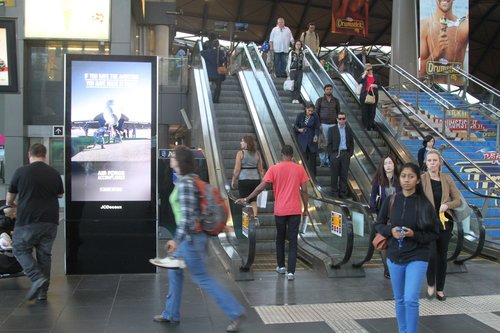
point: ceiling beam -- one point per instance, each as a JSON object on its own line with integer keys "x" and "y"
{"x": 271, "y": 22}
{"x": 302, "y": 19}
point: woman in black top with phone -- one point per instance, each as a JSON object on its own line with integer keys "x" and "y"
{"x": 413, "y": 226}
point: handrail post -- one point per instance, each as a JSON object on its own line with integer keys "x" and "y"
{"x": 468, "y": 124}
{"x": 399, "y": 85}
{"x": 443, "y": 129}
{"x": 448, "y": 79}
{"x": 498, "y": 138}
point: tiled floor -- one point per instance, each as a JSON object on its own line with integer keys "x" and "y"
{"x": 311, "y": 303}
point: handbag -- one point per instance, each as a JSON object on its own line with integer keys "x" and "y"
{"x": 370, "y": 99}
{"x": 379, "y": 242}
{"x": 222, "y": 70}
{"x": 288, "y": 85}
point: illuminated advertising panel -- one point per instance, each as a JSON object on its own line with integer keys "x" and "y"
{"x": 67, "y": 19}
{"x": 110, "y": 126}
{"x": 444, "y": 39}
{"x": 350, "y": 17}
{"x": 8, "y": 56}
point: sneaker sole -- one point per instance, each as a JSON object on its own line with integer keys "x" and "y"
{"x": 152, "y": 261}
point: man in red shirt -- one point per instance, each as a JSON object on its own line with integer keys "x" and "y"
{"x": 289, "y": 181}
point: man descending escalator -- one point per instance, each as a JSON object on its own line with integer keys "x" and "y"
{"x": 340, "y": 148}
{"x": 327, "y": 108}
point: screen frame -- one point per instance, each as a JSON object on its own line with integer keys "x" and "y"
{"x": 9, "y": 24}
{"x": 93, "y": 210}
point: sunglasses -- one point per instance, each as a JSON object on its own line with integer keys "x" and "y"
{"x": 343, "y": 118}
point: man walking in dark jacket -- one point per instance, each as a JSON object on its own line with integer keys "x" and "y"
{"x": 341, "y": 148}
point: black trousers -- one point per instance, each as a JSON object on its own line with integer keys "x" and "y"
{"x": 310, "y": 160}
{"x": 287, "y": 227}
{"x": 339, "y": 166}
{"x": 296, "y": 76}
{"x": 436, "y": 270}
{"x": 216, "y": 93}
{"x": 368, "y": 115}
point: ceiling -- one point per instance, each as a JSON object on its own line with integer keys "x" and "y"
{"x": 198, "y": 17}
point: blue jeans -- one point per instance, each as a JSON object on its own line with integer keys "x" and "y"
{"x": 193, "y": 251}
{"x": 323, "y": 156}
{"x": 406, "y": 280}
{"x": 287, "y": 227}
{"x": 40, "y": 236}
{"x": 280, "y": 60}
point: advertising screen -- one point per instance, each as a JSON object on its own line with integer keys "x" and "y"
{"x": 111, "y": 121}
{"x": 67, "y": 19}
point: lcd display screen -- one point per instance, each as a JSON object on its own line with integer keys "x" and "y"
{"x": 111, "y": 106}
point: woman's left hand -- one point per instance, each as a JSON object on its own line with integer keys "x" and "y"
{"x": 373, "y": 86}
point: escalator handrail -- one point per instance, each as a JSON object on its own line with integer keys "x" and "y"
{"x": 422, "y": 87}
{"x": 438, "y": 134}
{"x": 215, "y": 155}
{"x": 271, "y": 87}
{"x": 481, "y": 237}
{"x": 310, "y": 54}
{"x": 476, "y": 80}
{"x": 474, "y": 209}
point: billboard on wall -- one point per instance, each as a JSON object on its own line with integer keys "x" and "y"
{"x": 110, "y": 127}
{"x": 8, "y": 55}
{"x": 67, "y": 19}
{"x": 444, "y": 39}
{"x": 350, "y": 17}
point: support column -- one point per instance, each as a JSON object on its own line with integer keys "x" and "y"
{"x": 404, "y": 38}
{"x": 161, "y": 49}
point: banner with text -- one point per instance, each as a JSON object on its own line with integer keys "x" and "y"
{"x": 350, "y": 17}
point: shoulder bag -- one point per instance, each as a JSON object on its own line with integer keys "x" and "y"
{"x": 370, "y": 98}
{"x": 222, "y": 70}
{"x": 380, "y": 242}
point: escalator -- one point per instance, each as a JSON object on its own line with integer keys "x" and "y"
{"x": 394, "y": 119}
{"x": 320, "y": 237}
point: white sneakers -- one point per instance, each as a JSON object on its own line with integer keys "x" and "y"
{"x": 169, "y": 262}
{"x": 295, "y": 101}
{"x": 5, "y": 241}
{"x": 281, "y": 270}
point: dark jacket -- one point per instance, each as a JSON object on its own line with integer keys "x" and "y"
{"x": 421, "y": 159}
{"x": 363, "y": 81}
{"x": 334, "y": 140}
{"x": 212, "y": 62}
{"x": 404, "y": 213}
{"x": 305, "y": 139}
{"x": 327, "y": 111}
{"x": 377, "y": 190}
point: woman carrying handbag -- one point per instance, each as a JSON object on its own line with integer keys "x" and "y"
{"x": 385, "y": 182}
{"x": 369, "y": 96}
{"x": 294, "y": 68}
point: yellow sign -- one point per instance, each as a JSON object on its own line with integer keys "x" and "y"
{"x": 336, "y": 223}
{"x": 244, "y": 226}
